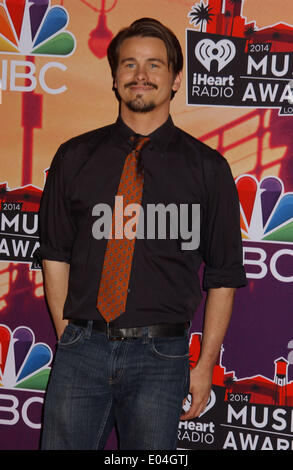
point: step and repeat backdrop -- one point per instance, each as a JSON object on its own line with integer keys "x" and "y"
{"x": 237, "y": 97}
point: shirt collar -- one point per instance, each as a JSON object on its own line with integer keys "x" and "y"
{"x": 160, "y": 138}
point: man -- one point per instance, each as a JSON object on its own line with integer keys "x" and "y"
{"x": 126, "y": 302}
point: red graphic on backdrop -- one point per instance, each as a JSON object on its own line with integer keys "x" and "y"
{"x": 28, "y": 197}
{"x": 225, "y": 18}
{"x": 258, "y": 389}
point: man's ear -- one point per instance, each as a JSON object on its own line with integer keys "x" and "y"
{"x": 177, "y": 81}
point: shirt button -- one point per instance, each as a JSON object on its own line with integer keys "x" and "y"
{"x": 128, "y": 290}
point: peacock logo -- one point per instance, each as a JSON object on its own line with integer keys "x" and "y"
{"x": 266, "y": 209}
{"x": 23, "y": 363}
{"x": 33, "y": 27}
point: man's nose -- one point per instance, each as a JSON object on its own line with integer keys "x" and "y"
{"x": 141, "y": 73}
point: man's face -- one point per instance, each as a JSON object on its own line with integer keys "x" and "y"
{"x": 143, "y": 79}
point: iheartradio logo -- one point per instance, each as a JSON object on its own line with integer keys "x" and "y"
{"x": 210, "y": 404}
{"x": 223, "y": 52}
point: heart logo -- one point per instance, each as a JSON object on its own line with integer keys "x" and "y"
{"x": 207, "y": 51}
{"x": 210, "y": 404}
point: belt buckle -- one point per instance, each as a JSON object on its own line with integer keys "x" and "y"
{"x": 110, "y": 337}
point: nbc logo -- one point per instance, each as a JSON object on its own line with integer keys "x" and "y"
{"x": 266, "y": 216}
{"x": 23, "y": 363}
{"x": 266, "y": 210}
{"x": 32, "y": 27}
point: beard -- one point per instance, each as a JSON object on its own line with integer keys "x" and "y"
{"x": 138, "y": 105}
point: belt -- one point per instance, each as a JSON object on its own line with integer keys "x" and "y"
{"x": 153, "y": 331}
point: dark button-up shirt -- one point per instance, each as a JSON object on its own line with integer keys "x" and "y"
{"x": 164, "y": 285}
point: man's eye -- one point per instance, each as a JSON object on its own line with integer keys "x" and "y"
{"x": 130, "y": 66}
{"x": 153, "y": 66}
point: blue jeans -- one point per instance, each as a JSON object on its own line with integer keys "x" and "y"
{"x": 138, "y": 383}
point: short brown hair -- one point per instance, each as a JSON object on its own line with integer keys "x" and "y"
{"x": 147, "y": 27}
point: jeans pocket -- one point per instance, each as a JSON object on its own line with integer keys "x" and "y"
{"x": 171, "y": 348}
{"x": 71, "y": 335}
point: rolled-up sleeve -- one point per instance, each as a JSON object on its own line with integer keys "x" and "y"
{"x": 221, "y": 244}
{"x": 56, "y": 228}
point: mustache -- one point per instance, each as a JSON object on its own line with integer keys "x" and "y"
{"x": 134, "y": 83}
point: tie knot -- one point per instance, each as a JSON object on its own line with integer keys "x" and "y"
{"x": 139, "y": 141}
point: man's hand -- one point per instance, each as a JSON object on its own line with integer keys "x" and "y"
{"x": 200, "y": 389}
{"x": 218, "y": 309}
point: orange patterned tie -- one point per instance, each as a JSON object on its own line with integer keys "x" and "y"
{"x": 113, "y": 289}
